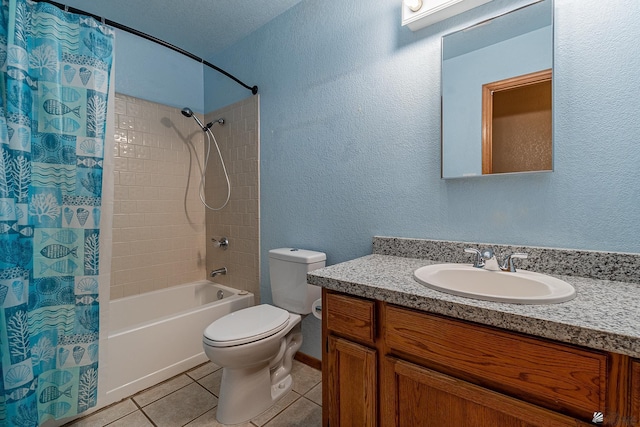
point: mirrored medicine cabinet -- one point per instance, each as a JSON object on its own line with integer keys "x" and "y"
{"x": 497, "y": 95}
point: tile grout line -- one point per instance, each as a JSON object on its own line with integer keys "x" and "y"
{"x": 79, "y": 419}
{"x": 279, "y": 412}
{"x": 193, "y": 381}
{"x": 208, "y": 391}
{"x": 163, "y": 382}
{"x": 144, "y": 413}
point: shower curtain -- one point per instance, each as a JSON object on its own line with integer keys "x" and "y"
{"x": 54, "y": 78}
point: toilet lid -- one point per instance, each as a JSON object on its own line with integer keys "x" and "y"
{"x": 246, "y": 325}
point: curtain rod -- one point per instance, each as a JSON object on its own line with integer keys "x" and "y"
{"x": 253, "y": 89}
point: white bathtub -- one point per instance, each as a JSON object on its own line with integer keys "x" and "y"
{"x": 157, "y": 335}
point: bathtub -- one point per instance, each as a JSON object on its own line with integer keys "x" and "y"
{"x": 157, "y": 335}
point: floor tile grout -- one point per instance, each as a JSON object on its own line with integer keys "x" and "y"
{"x": 143, "y": 413}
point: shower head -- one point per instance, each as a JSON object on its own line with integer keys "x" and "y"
{"x": 187, "y": 112}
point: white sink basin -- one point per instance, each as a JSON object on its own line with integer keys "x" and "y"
{"x": 521, "y": 287}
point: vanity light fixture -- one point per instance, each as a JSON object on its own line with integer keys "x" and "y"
{"x": 413, "y": 5}
{"x": 415, "y": 16}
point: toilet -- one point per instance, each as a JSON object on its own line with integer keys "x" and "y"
{"x": 255, "y": 346}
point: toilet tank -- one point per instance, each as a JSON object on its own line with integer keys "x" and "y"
{"x": 288, "y": 269}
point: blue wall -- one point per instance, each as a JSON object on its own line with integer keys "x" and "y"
{"x": 350, "y": 134}
{"x": 149, "y": 71}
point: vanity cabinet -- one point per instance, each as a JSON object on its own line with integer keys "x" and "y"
{"x": 635, "y": 393}
{"x": 353, "y": 385}
{"x": 395, "y": 366}
{"x": 566, "y": 379}
{"x": 417, "y": 396}
{"x": 351, "y": 381}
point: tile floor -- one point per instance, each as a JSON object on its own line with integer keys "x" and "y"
{"x": 190, "y": 400}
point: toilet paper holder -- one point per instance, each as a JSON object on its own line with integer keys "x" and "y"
{"x": 316, "y": 308}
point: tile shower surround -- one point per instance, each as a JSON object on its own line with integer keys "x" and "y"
{"x": 160, "y": 237}
{"x": 239, "y": 221}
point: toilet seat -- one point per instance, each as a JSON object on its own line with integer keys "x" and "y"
{"x": 246, "y": 325}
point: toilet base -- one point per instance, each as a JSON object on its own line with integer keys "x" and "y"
{"x": 247, "y": 392}
{"x": 279, "y": 390}
{"x": 242, "y": 401}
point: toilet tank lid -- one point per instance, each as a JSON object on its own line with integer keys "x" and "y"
{"x": 302, "y": 256}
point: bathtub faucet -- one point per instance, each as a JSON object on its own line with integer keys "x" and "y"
{"x": 217, "y": 271}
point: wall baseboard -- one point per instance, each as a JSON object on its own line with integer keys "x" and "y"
{"x": 309, "y": 360}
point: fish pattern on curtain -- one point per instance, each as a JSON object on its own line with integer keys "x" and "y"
{"x": 54, "y": 78}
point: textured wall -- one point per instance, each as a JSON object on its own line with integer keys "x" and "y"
{"x": 146, "y": 70}
{"x": 350, "y": 134}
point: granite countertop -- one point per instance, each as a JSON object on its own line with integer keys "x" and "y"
{"x": 605, "y": 315}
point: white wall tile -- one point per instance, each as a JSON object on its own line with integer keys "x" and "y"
{"x": 149, "y": 203}
{"x": 238, "y": 221}
{"x": 160, "y": 239}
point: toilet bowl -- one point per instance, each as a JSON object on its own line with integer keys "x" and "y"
{"x": 255, "y": 346}
{"x": 255, "y": 349}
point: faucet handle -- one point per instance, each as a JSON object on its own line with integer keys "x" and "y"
{"x": 508, "y": 265}
{"x": 479, "y": 261}
{"x": 223, "y": 242}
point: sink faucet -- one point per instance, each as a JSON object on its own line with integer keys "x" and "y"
{"x": 484, "y": 259}
{"x": 490, "y": 260}
{"x": 487, "y": 259}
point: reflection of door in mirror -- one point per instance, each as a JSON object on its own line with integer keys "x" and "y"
{"x": 500, "y": 49}
{"x": 517, "y": 124}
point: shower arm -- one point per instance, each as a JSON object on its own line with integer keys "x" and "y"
{"x": 211, "y": 123}
{"x": 187, "y": 112}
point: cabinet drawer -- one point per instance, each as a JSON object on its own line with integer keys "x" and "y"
{"x": 351, "y": 317}
{"x": 564, "y": 378}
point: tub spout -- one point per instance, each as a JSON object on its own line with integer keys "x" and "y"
{"x": 217, "y": 271}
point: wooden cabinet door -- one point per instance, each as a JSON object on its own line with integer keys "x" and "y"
{"x": 418, "y": 397}
{"x": 352, "y": 384}
{"x": 635, "y": 393}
